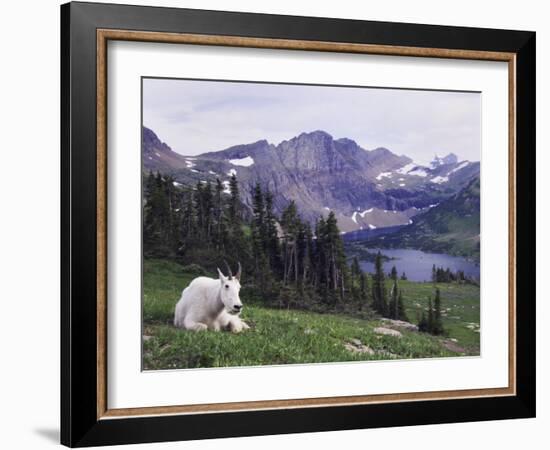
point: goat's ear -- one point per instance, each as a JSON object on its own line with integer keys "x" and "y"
{"x": 222, "y": 278}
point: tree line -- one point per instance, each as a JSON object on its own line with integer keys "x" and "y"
{"x": 286, "y": 260}
{"x": 441, "y": 275}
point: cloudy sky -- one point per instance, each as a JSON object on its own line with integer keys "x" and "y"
{"x": 195, "y": 117}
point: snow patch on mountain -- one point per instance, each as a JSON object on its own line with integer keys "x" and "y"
{"x": 383, "y": 175}
{"x": 439, "y": 179}
{"x": 232, "y": 172}
{"x": 247, "y": 161}
{"x": 460, "y": 166}
{"x": 419, "y": 172}
{"x": 406, "y": 169}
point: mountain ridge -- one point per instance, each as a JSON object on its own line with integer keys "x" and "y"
{"x": 321, "y": 174}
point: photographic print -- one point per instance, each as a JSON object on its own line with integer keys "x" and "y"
{"x": 299, "y": 224}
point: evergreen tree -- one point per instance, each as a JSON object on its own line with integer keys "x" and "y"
{"x": 355, "y": 280}
{"x": 434, "y": 274}
{"x": 393, "y": 273}
{"x": 188, "y": 221}
{"x": 364, "y": 289}
{"x": 271, "y": 235}
{"x": 401, "y": 314}
{"x": 437, "y": 328}
{"x": 261, "y": 259}
{"x": 234, "y": 202}
{"x": 379, "y": 301}
{"x": 404, "y": 277}
{"x": 220, "y": 235}
{"x": 336, "y": 256}
{"x": 430, "y": 316}
{"x": 393, "y": 305}
{"x": 423, "y": 323}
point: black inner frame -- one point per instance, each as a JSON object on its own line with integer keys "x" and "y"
{"x": 79, "y": 424}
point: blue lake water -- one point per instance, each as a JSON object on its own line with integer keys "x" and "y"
{"x": 418, "y": 264}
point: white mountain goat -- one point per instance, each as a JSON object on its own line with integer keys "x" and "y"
{"x": 210, "y": 304}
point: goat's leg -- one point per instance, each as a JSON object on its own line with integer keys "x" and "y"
{"x": 194, "y": 326}
{"x": 236, "y": 325}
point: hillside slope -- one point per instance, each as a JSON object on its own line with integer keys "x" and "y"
{"x": 451, "y": 227}
{"x": 286, "y": 336}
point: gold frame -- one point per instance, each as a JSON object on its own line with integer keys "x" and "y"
{"x": 103, "y": 36}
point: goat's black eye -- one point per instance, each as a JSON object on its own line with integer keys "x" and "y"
{"x": 227, "y": 286}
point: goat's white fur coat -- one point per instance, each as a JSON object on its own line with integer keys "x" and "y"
{"x": 211, "y": 304}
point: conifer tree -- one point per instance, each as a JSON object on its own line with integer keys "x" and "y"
{"x": 401, "y": 314}
{"x": 261, "y": 260}
{"x": 423, "y": 323}
{"x": 234, "y": 202}
{"x": 379, "y": 300}
{"x": 355, "y": 279}
{"x": 271, "y": 235}
{"x": 364, "y": 289}
{"x": 437, "y": 321}
{"x": 393, "y": 311}
{"x": 393, "y": 273}
{"x": 430, "y": 316}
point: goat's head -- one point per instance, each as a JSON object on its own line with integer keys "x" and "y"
{"x": 229, "y": 292}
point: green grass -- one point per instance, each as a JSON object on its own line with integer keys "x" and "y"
{"x": 460, "y": 306}
{"x": 290, "y": 336}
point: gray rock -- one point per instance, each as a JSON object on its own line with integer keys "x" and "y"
{"x": 387, "y": 331}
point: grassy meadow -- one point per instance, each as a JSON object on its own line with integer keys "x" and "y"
{"x": 282, "y": 336}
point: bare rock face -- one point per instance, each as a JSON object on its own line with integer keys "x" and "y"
{"x": 387, "y": 331}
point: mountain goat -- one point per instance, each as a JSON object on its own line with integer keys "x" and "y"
{"x": 210, "y": 304}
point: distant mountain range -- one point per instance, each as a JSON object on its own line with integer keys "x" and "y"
{"x": 452, "y": 227}
{"x": 367, "y": 189}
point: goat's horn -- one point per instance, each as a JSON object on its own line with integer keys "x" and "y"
{"x": 228, "y": 270}
{"x": 238, "y": 276}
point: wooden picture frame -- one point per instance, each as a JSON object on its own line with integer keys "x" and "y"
{"x": 86, "y": 418}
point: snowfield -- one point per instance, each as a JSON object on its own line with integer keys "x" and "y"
{"x": 247, "y": 161}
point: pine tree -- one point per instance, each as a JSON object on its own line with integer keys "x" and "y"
{"x": 430, "y": 316}
{"x": 290, "y": 223}
{"x": 237, "y": 245}
{"x": 401, "y": 314}
{"x": 220, "y": 231}
{"x": 271, "y": 235}
{"x": 423, "y": 323}
{"x": 261, "y": 260}
{"x": 393, "y": 305}
{"x": 364, "y": 289}
{"x": 336, "y": 255}
{"x": 404, "y": 277}
{"x": 437, "y": 321}
{"x": 379, "y": 301}
{"x": 393, "y": 273}
{"x": 189, "y": 222}
{"x": 234, "y": 202}
{"x": 355, "y": 279}
{"x": 434, "y": 274}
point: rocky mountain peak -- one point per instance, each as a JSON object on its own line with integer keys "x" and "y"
{"x": 451, "y": 158}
